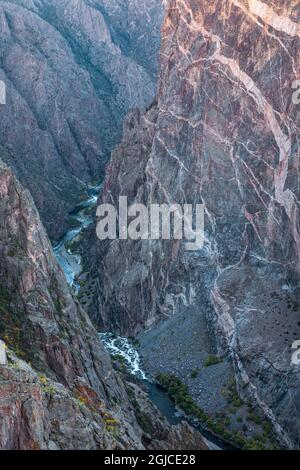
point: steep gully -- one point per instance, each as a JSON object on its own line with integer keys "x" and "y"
{"x": 70, "y": 262}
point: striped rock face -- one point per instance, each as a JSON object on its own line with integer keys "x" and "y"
{"x": 224, "y": 132}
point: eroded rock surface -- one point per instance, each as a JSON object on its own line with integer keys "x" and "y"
{"x": 72, "y": 70}
{"x": 224, "y": 132}
{"x": 58, "y": 389}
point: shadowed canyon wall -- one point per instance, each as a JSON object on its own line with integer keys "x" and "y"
{"x": 58, "y": 389}
{"x": 222, "y": 132}
{"x": 73, "y": 70}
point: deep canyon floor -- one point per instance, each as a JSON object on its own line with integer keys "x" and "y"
{"x": 178, "y": 346}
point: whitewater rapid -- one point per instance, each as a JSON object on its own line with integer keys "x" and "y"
{"x": 80, "y": 219}
{"x": 119, "y": 346}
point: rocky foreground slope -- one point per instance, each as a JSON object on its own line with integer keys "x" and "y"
{"x": 73, "y": 70}
{"x": 223, "y": 132}
{"x": 58, "y": 389}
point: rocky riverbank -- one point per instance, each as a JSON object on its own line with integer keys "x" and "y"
{"x": 72, "y": 71}
{"x": 222, "y": 132}
{"x": 180, "y": 348}
{"x": 58, "y": 389}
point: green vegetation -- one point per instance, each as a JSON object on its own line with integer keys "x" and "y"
{"x": 232, "y": 396}
{"x": 4, "y": 298}
{"x": 47, "y": 387}
{"x": 143, "y": 419}
{"x": 179, "y": 393}
{"x": 54, "y": 290}
{"x": 119, "y": 362}
{"x": 71, "y": 245}
{"x": 212, "y": 360}
{"x": 15, "y": 249}
{"x": 112, "y": 425}
{"x": 254, "y": 418}
{"x": 12, "y": 325}
{"x": 119, "y": 358}
{"x": 135, "y": 342}
{"x": 194, "y": 374}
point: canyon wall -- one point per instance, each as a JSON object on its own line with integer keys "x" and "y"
{"x": 222, "y": 132}
{"x": 73, "y": 70}
{"x": 58, "y": 389}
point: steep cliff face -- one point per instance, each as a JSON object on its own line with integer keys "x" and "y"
{"x": 73, "y": 70}
{"x": 224, "y": 132}
{"x": 59, "y": 390}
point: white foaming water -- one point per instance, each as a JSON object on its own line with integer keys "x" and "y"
{"x": 68, "y": 261}
{"x": 117, "y": 345}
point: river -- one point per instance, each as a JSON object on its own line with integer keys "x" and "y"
{"x": 80, "y": 219}
{"x": 70, "y": 263}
